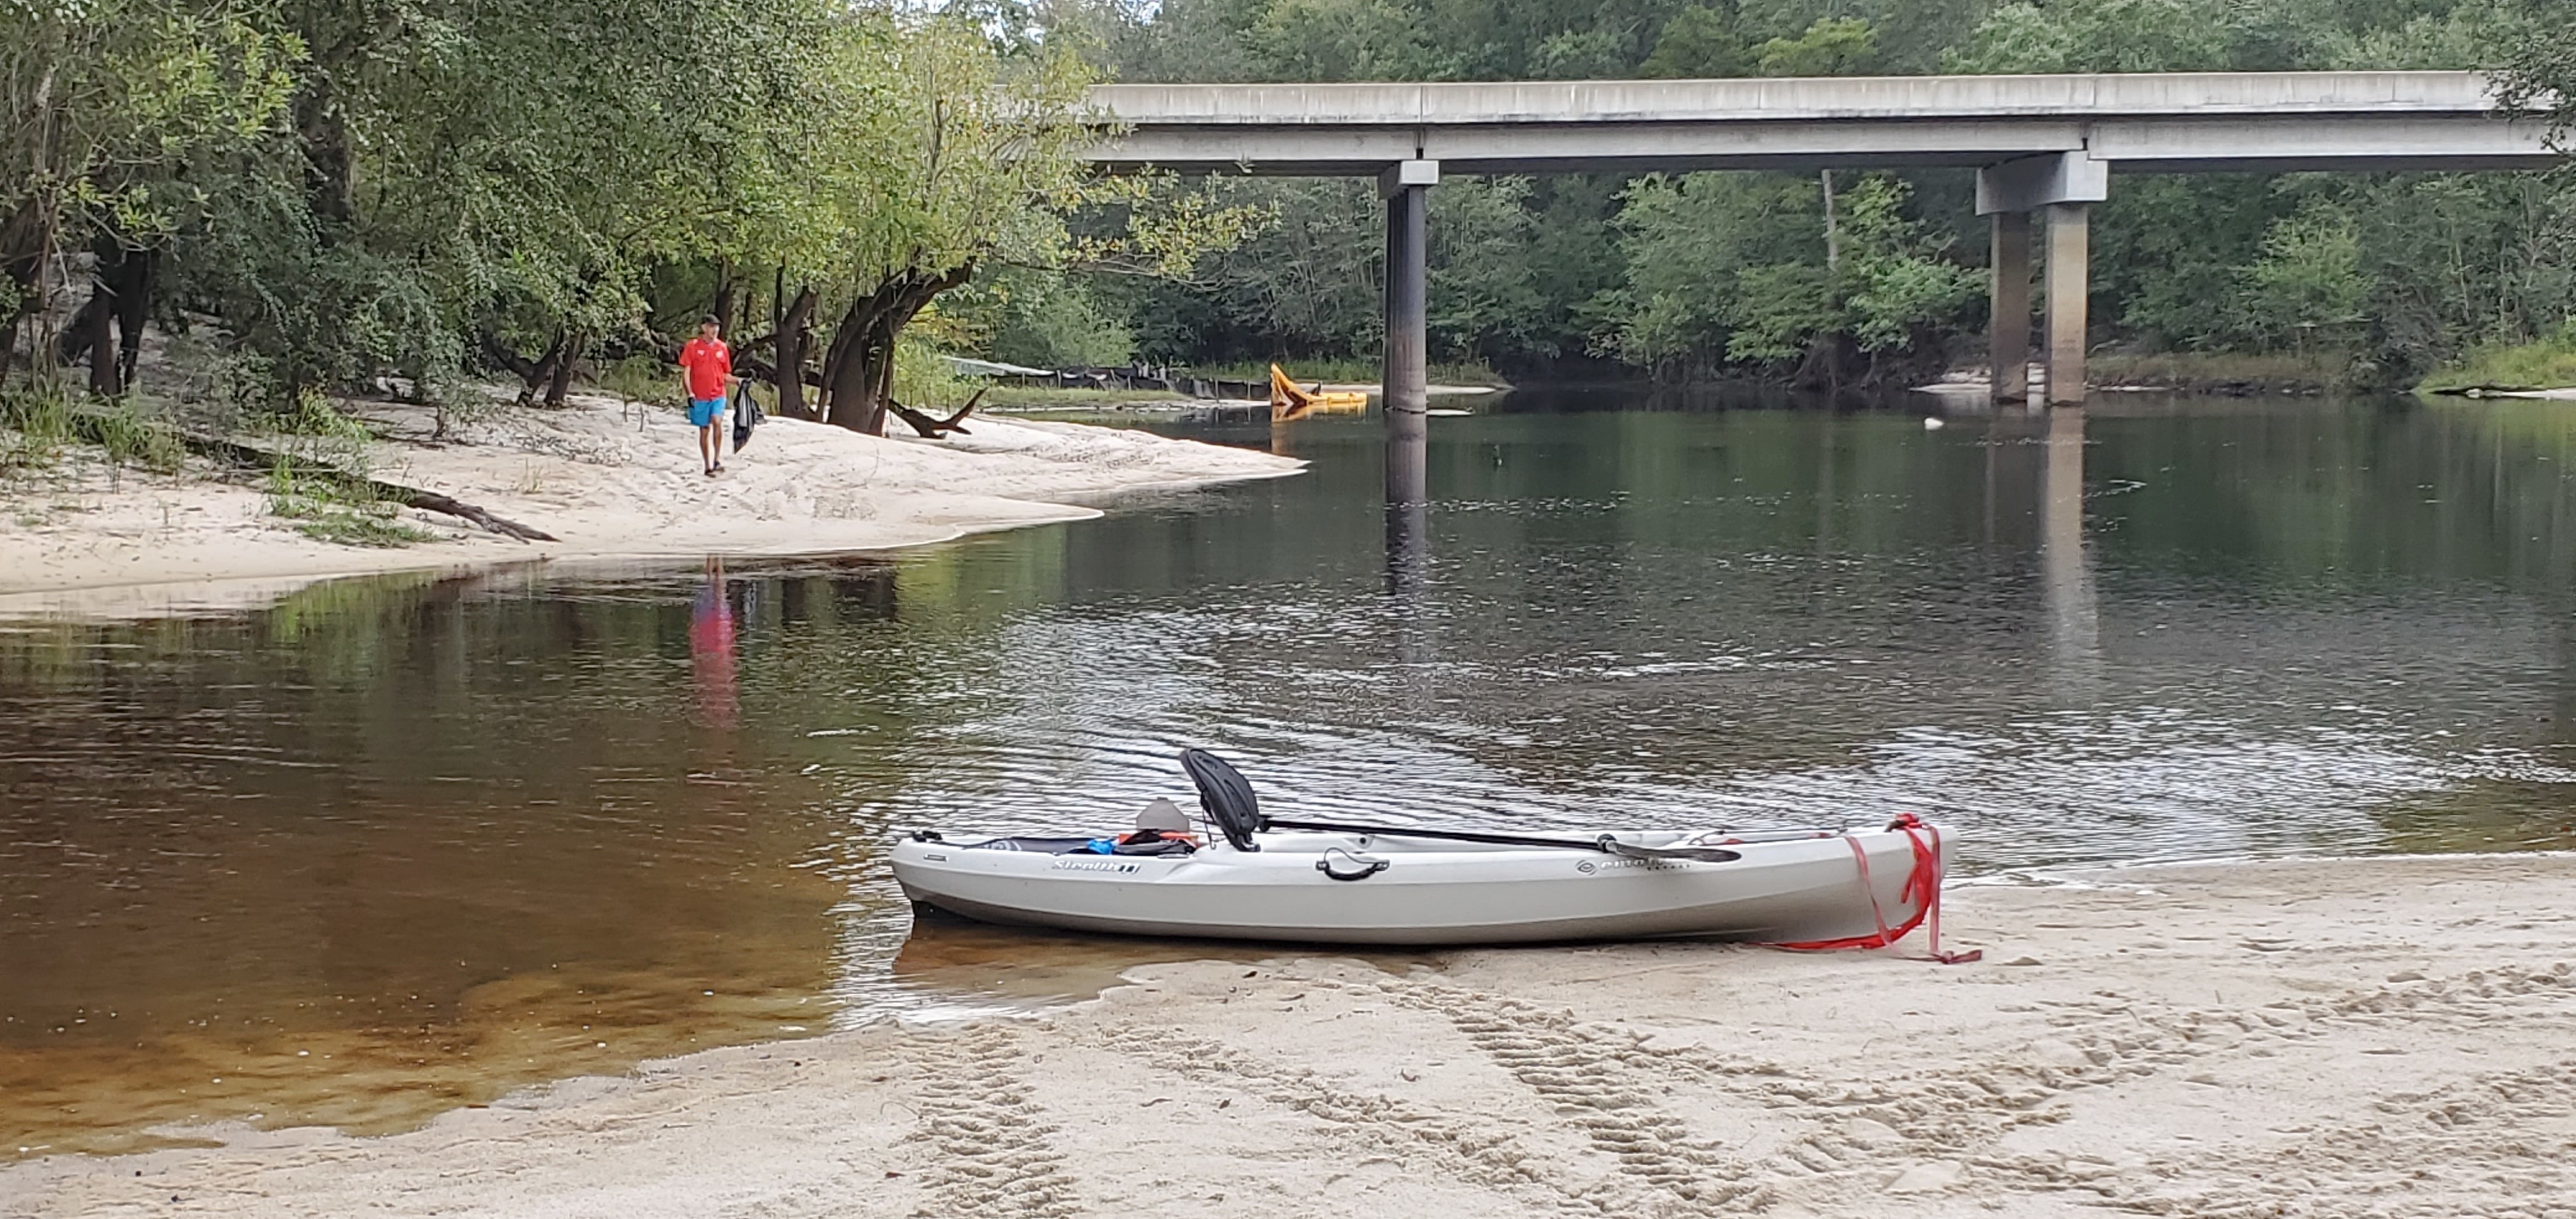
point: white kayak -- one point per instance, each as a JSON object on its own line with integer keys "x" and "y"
{"x": 1295, "y": 881}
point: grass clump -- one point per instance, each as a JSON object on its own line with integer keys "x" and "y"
{"x": 640, "y": 378}
{"x": 329, "y": 508}
{"x": 2547, "y": 364}
{"x": 40, "y": 420}
{"x": 305, "y": 412}
{"x": 133, "y": 438}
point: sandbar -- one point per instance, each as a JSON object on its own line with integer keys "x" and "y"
{"x": 2376, "y": 1037}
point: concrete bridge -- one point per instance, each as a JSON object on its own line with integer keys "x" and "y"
{"x": 2040, "y": 144}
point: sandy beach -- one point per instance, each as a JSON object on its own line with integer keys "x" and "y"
{"x": 609, "y": 480}
{"x": 2391, "y": 1037}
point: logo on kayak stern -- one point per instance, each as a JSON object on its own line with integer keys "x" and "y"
{"x": 1091, "y": 865}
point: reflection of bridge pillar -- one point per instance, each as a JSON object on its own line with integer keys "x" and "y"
{"x": 1406, "y": 374}
{"x": 2065, "y": 576}
{"x": 2064, "y": 184}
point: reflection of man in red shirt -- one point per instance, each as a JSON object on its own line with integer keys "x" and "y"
{"x": 706, "y": 368}
{"x": 711, "y": 632}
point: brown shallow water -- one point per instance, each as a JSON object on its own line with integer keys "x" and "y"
{"x": 396, "y": 845}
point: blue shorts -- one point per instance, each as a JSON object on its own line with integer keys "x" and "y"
{"x": 704, "y": 413}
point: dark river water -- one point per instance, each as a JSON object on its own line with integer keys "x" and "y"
{"x": 399, "y": 844}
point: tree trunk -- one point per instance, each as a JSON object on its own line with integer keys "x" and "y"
{"x": 860, "y": 375}
{"x": 99, "y": 335}
{"x": 1833, "y": 227}
{"x": 531, "y": 373}
{"x": 795, "y": 338}
{"x": 134, "y": 309}
{"x": 330, "y": 168}
{"x": 106, "y": 332}
{"x": 722, "y": 307}
{"x": 568, "y": 348}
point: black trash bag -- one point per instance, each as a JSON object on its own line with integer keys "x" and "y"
{"x": 746, "y": 415}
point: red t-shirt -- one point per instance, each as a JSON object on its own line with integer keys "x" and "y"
{"x": 707, "y": 362}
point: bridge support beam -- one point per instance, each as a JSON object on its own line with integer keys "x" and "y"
{"x": 2065, "y": 186}
{"x": 2008, "y": 307}
{"x": 1405, "y": 376}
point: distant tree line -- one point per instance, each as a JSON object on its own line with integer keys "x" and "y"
{"x": 343, "y": 193}
{"x": 418, "y": 194}
{"x": 1838, "y": 278}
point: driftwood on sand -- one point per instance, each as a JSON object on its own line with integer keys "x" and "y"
{"x": 935, "y": 428}
{"x": 253, "y": 457}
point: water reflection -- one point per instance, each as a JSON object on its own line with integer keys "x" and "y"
{"x": 2066, "y": 570}
{"x": 394, "y": 845}
{"x": 711, "y": 641}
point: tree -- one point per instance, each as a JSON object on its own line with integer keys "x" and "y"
{"x": 1700, "y": 42}
{"x": 107, "y": 99}
{"x": 2307, "y": 283}
{"x": 1708, "y": 282}
{"x": 2539, "y": 63}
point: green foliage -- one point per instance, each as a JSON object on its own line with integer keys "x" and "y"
{"x": 36, "y": 423}
{"x": 307, "y": 412}
{"x": 331, "y": 508}
{"x": 108, "y": 100}
{"x": 2548, "y": 363}
{"x": 1833, "y": 46}
{"x": 132, "y": 438}
{"x": 40, "y": 419}
{"x": 376, "y": 193}
{"x": 1699, "y": 42}
{"x": 2306, "y": 287}
{"x": 1708, "y": 280}
{"x": 924, "y": 381}
{"x": 640, "y": 378}
{"x": 1026, "y": 316}
{"x": 2539, "y": 61}
{"x": 2118, "y": 36}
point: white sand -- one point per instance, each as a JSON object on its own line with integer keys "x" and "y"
{"x": 2360, "y": 1038}
{"x": 610, "y": 482}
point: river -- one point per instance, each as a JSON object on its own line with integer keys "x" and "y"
{"x": 400, "y": 844}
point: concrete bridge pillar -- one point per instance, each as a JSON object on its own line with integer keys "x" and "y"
{"x": 2064, "y": 185}
{"x": 1406, "y": 374}
{"x": 2008, "y": 306}
{"x": 2069, "y": 270}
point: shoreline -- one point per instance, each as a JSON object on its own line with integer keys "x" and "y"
{"x": 612, "y": 481}
{"x": 2382, "y": 1036}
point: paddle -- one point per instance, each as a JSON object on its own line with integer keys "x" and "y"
{"x": 1605, "y": 843}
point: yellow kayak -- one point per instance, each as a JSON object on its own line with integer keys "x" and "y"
{"x": 1289, "y": 400}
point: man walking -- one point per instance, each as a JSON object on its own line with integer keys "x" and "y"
{"x": 706, "y": 369}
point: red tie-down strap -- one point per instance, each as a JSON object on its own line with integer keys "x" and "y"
{"x": 1922, "y": 888}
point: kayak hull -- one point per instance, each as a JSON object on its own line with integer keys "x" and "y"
{"x": 1801, "y": 889}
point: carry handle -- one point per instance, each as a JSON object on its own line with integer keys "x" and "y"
{"x": 1368, "y": 866}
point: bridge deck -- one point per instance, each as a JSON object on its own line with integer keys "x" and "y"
{"x": 2157, "y": 121}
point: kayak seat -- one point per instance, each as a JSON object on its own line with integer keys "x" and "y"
{"x": 1226, "y": 797}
